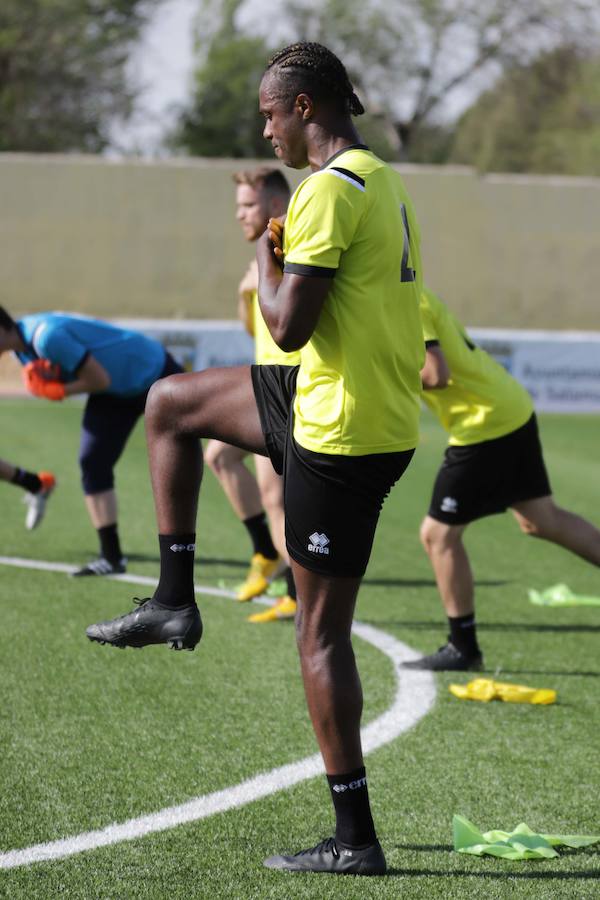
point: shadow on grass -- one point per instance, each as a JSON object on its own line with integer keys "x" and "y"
{"x": 528, "y": 873}
{"x": 504, "y": 672}
{"x": 491, "y": 626}
{"x": 546, "y": 874}
{"x": 421, "y": 582}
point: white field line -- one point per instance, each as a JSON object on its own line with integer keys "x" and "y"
{"x": 415, "y": 695}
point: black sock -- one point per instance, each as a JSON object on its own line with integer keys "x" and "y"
{"x": 29, "y": 481}
{"x": 258, "y": 529}
{"x": 176, "y": 585}
{"x": 291, "y": 584}
{"x": 354, "y": 822}
{"x": 110, "y": 546}
{"x": 463, "y": 634}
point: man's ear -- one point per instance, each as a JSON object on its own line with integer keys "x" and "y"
{"x": 304, "y": 104}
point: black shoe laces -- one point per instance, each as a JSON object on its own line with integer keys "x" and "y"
{"x": 326, "y": 846}
{"x": 138, "y": 602}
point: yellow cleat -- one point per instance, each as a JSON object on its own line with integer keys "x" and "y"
{"x": 259, "y": 574}
{"x": 284, "y": 609}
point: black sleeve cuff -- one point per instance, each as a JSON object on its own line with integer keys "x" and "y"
{"x": 435, "y": 343}
{"x": 315, "y": 271}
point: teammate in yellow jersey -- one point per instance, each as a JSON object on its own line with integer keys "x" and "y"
{"x": 341, "y": 427}
{"x": 260, "y": 194}
{"x": 493, "y": 462}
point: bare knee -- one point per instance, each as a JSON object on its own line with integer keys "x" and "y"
{"x": 175, "y": 405}
{"x": 220, "y": 457}
{"x": 159, "y": 404}
{"x": 437, "y": 536}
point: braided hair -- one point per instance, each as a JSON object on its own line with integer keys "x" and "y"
{"x": 312, "y": 68}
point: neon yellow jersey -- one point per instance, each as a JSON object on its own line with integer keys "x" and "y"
{"x": 482, "y": 401}
{"x": 266, "y": 351}
{"x": 358, "y": 388}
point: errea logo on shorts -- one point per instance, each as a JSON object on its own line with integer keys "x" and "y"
{"x": 449, "y": 505}
{"x": 179, "y": 548}
{"x": 318, "y": 543}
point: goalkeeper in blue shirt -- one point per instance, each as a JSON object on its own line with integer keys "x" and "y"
{"x": 64, "y": 354}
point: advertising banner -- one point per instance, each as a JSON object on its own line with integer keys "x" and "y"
{"x": 561, "y": 370}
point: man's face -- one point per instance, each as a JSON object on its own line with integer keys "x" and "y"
{"x": 251, "y": 211}
{"x": 284, "y": 127}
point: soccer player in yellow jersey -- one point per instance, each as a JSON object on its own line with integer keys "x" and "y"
{"x": 261, "y": 193}
{"x": 341, "y": 427}
{"x": 493, "y": 462}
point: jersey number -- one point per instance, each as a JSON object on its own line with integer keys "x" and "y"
{"x": 406, "y": 273}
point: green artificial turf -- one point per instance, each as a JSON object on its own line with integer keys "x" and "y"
{"x": 90, "y": 735}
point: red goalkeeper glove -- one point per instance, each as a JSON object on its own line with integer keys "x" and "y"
{"x": 41, "y": 380}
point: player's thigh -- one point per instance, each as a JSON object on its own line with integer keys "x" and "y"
{"x": 269, "y": 482}
{"x": 216, "y": 403}
{"x": 534, "y": 515}
{"x": 106, "y": 426}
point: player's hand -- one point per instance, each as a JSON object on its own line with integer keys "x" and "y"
{"x": 275, "y": 232}
{"x": 45, "y": 369}
{"x": 41, "y": 380}
{"x": 267, "y": 257}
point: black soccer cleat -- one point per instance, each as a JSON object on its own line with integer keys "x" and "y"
{"x": 447, "y": 659}
{"x": 328, "y": 856}
{"x": 101, "y": 566}
{"x": 180, "y": 627}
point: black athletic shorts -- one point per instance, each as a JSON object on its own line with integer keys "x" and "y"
{"x": 482, "y": 479}
{"x": 332, "y": 503}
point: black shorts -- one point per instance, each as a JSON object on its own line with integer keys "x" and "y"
{"x": 487, "y": 478}
{"x": 332, "y": 503}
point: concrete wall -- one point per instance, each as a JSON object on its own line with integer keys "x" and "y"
{"x": 133, "y": 238}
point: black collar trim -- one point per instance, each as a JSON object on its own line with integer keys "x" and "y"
{"x": 343, "y": 150}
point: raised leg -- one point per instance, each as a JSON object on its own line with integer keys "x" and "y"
{"x": 542, "y": 518}
{"x": 181, "y": 409}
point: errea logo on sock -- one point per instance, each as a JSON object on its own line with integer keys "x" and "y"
{"x": 318, "y": 543}
{"x": 353, "y": 786}
{"x": 179, "y": 548}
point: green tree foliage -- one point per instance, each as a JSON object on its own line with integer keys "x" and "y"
{"x": 224, "y": 119}
{"x": 544, "y": 117}
{"x": 411, "y": 59}
{"x": 62, "y": 71}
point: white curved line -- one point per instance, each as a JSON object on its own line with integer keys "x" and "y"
{"x": 415, "y": 694}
